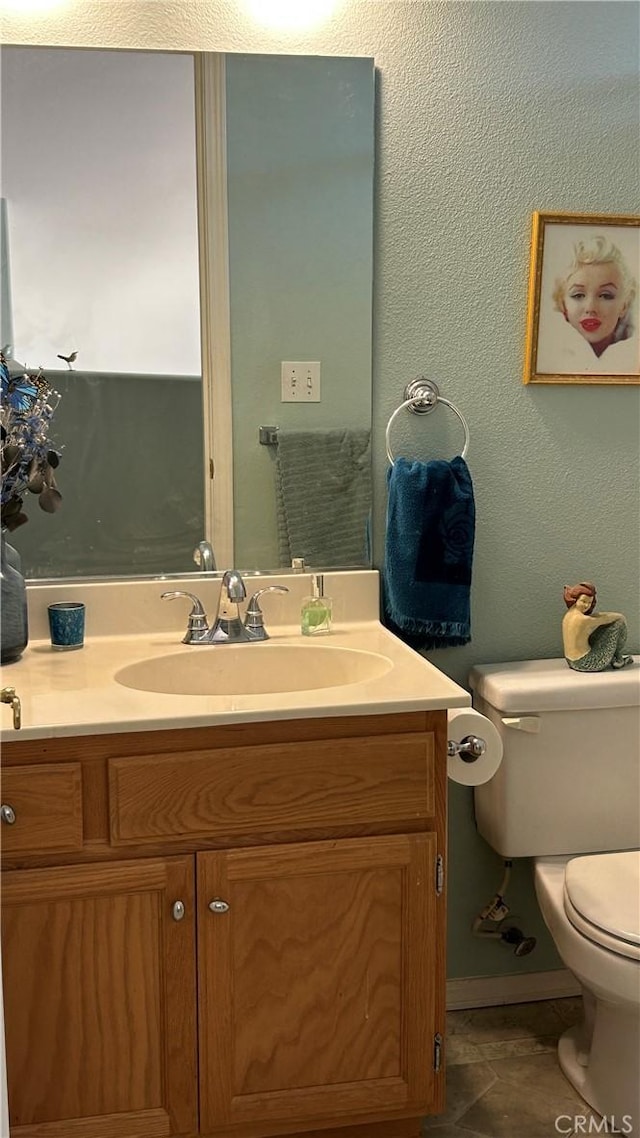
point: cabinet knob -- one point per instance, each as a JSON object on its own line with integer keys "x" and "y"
{"x": 8, "y": 814}
{"x": 177, "y": 910}
{"x": 218, "y": 906}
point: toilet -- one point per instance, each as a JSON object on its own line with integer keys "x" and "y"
{"x": 567, "y": 794}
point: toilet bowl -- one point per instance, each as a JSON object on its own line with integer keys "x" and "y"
{"x": 567, "y": 794}
{"x": 600, "y": 1056}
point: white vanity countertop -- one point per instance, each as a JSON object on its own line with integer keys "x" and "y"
{"x": 75, "y": 693}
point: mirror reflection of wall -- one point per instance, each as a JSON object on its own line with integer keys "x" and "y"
{"x": 300, "y": 150}
{"x": 111, "y": 212}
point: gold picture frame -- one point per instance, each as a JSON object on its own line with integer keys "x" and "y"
{"x": 582, "y": 310}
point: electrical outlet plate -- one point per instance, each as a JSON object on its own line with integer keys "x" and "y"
{"x": 300, "y": 381}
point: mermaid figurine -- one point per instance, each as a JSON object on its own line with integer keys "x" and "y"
{"x": 592, "y": 641}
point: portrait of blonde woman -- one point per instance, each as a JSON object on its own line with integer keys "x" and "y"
{"x": 588, "y": 302}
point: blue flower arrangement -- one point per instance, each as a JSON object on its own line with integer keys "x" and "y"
{"x": 28, "y": 460}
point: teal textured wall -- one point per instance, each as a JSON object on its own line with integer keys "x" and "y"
{"x": 486, "y": 111}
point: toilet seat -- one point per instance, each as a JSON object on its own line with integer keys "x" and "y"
{"x": 602, "y": 900}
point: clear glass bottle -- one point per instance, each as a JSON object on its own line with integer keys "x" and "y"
{"x": 315, "y": 615}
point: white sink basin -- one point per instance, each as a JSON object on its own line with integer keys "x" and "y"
{"x": 252, "y": 669}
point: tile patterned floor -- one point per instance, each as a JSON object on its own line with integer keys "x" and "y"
{"x": 503, "y": 1078}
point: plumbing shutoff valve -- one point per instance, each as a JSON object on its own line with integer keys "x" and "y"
{"x": 522, "y": 945}
{"x": 496, "y": 910}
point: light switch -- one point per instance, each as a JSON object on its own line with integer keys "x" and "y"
{"x": 300, "y": 381}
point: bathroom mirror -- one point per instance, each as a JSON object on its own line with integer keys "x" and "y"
{"x": 116, "y": 165}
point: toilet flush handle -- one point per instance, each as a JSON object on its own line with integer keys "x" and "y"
{"x": 528, "y": 723}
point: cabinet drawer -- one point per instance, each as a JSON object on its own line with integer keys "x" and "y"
{"x": 47, "y": 804}
{"x": 262, "y": 789}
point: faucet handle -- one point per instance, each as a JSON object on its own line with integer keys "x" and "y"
{"x": 197, "y": 625}
{"x": 254, "y": 619}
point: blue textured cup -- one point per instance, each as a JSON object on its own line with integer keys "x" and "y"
{"x": 66, "y": 625}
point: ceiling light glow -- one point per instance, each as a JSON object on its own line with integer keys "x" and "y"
{"x": 290, "y": 15}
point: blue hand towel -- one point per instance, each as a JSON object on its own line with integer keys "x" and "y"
{"x": 428, "y": 552}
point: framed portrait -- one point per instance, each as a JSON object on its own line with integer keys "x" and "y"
{"x": 582, "y": 312}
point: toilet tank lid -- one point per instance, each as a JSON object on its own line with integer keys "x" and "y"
{"x": 551, "y": 685}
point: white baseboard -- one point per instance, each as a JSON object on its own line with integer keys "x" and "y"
{"x": 522, "y": 988}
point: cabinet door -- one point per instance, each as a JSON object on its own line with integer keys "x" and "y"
{"x": 318, "y": 984}
{"x": 99, "y": 994}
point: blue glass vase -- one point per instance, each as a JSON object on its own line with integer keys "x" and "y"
{"x": 14, "y": 632}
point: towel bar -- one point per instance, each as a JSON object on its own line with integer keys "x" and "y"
{"x": 420, "y": 397}
{"x": 268, "y": 436}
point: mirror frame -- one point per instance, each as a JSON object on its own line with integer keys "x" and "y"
{"x": 215, "y": 307}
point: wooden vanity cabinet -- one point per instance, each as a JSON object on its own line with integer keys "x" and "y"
{"x": 248, "y": 942}
{"x": 100, "y": 1000}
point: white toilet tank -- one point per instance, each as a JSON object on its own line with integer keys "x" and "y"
{"x": 569, "y": 781}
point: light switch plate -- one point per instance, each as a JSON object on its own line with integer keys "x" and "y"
{"x": 300, "y": 381}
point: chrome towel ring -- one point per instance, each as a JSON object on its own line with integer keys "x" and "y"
{"x": 420, "y": 397}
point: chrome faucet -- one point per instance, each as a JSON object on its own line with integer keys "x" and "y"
{"x": 204, "y": 558}
{"x": 227, "y": 626}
